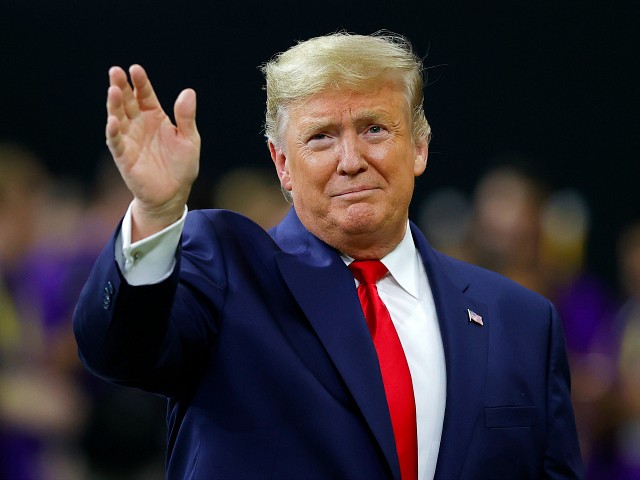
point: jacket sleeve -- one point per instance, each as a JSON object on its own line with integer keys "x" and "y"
{"x": 153, "y": 337}
{"x": 562, "y": 456}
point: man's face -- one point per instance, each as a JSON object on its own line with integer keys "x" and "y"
{"x": 349, "y": 161}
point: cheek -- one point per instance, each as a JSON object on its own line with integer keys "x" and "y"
{"x": 312, "y": 172}
{"x": 380, "y": 153}
{"x": 399, "y": 171}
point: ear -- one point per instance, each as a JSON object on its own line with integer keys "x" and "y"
{"x": 422, "y": 153}
{"x": 282, "y": 166}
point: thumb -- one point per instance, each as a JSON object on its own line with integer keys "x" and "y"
{"x": 184, "y": 112}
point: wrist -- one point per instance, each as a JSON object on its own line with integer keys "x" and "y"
{"x": 148, "y": 220}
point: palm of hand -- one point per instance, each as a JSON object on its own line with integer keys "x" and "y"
{"x": 157, "y": 159}
{"x": 159, "y": 162}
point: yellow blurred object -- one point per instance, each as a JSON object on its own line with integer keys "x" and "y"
{"x": 9, "y": 326}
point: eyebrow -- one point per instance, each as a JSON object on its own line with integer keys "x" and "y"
{"x": 325, "y": 123}
{"x": 372, "y": 116}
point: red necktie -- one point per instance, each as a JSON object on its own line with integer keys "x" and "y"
{"x": 393, "y": 365}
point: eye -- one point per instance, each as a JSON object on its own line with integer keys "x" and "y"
{"x": 375, "y": 129}
{"x": 319, "y": 141}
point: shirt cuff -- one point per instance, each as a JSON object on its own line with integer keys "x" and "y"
{"x": 152, "y": 259}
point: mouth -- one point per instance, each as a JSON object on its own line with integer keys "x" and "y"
{"x": 356, "y": 192}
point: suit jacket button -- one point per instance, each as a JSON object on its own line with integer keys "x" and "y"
{"x": 106, "y": 295}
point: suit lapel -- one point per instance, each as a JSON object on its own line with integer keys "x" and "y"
{"x": 466, "y": 348}
{"x": 324, "y": 288}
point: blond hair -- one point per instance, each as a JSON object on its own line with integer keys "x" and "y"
{"x": 342, "y": 60}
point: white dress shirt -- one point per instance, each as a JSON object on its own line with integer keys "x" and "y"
{"x": 407, "y": 295}
{"x": 405, "y": 291}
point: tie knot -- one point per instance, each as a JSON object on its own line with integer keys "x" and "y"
{"x": 368, "y": 271}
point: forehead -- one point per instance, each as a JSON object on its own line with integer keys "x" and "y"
{"x": 382, "y": 102}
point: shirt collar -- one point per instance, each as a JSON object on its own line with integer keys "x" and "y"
{"x": 402, "y": 263}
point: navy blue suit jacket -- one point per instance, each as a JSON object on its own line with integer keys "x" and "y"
{"x": 259, "y": 342}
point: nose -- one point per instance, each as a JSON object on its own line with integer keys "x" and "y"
{"x": 351, "y": 155}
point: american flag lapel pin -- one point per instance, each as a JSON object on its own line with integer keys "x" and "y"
{"x": 474, "y": 317}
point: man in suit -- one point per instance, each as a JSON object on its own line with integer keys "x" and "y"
{"x": 279, "y": 355}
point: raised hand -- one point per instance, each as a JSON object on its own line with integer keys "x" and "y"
{"x": 157, "y": 160}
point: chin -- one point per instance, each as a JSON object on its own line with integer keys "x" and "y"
{"x": 360, "y": 218}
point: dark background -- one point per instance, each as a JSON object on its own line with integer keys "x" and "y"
{"x": 556, "y": 82}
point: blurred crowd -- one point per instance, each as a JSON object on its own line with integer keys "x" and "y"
{"x": 59, "y": 422}
{"x": 516, "y": 225}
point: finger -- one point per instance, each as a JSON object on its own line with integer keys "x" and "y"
{"x": 143, "y": 91}
{"x": 115, "y": 140}
{"x": 184, "y": 112}
{"x": 115, "y": 107}
{"x": 118, "y": 77}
